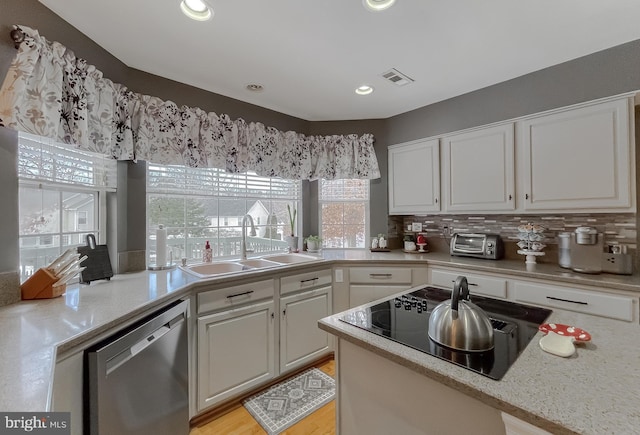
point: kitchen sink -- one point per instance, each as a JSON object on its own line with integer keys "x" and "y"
{"x": 205, "y": 270}
{"x": 258, "y": 263}
{"x": 210, "y": 269}
{"x": 291, "y": 258}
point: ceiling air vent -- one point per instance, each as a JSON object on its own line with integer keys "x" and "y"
{"x": 397, "y": 78}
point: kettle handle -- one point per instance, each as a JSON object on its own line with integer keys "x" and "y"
{"x": 460, "y": 291}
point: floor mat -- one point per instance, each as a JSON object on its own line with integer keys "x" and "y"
{"x": 288, "y": 402}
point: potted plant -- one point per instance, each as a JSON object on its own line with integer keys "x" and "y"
{"x": 292, "y": 240}
{"x": 313, "y": 243}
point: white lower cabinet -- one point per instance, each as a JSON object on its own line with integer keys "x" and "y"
{"x": 600, "y": 304}
{"x": 618, "y": 305}
{"x": 301, "y": 340}
{"x": 478, "y": 283}
{"x": 367, "y": 284}
{"x": 242, "y": 342}
{"x": 236, "y": 343}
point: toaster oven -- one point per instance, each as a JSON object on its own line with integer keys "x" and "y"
{"x": 488, "y": 246}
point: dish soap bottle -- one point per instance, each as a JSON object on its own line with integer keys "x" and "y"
{"x": 207, "y": 254}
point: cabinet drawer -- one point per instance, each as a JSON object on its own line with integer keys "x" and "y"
{"x": 235, "y": 296}
{"x": 599, "y": 304}
{"x": 302, "y": 281}
{"x": 363, "y": 294}
{"x": 478, "y": 284}
{"x": 380, "y": 275}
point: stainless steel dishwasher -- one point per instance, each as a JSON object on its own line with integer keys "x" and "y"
{"x": 138, "y": 380}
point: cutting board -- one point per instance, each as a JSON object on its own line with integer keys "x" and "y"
{"x": 98, "y": 263}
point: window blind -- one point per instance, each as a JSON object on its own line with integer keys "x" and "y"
{"x": 164, "y": 179}
{"x": 43, "y": 160}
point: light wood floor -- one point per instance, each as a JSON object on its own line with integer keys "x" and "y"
{"x": 239, "y": 421}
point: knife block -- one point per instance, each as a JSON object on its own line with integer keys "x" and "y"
{"x": 40, "y": 286}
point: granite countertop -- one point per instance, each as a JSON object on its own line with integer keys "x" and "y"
{"x": 595, "y": 391}
{"x": 36, "y": 332}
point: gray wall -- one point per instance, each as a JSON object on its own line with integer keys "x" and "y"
{"x": 9, "y": 200}
{"x": 602, "y": 74}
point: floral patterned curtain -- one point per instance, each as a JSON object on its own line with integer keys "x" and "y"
{"x": 50, "y": 92}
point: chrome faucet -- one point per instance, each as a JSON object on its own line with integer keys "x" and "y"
{"x": 243, "y": 244}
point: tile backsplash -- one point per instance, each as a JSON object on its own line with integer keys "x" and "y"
{"x": 617, "y": 228}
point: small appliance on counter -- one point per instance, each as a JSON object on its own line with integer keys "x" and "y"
{"x": 487, "y": 246}
{"x": 617, "y": 260}
{"x": 586, "y": 250}
{"x": 583, "y": 251}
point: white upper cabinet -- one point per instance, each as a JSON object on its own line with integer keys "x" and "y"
{"x": 580, "y": 159}
{"x": 479, "y": 170}
{"x": 414, "y": 177}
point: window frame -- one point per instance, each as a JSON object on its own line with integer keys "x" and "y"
{"x": 367, "y": 211}
{"x": 221, "y": 186}
{"x": 56, "y": 154}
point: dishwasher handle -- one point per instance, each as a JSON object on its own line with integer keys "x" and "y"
{"x": 141, "y": 345}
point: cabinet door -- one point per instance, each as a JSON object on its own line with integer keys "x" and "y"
{"x": 300, "y": 338}
{"x": 235, "y": 352}
{"x": 579, "y": 159}
{"x": 479, "y": 170}
{"x": 414, "y": 177}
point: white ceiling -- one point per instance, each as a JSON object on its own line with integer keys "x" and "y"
{"x": 311, "y": 55}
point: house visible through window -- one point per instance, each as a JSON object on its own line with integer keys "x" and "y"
{"x": 344, "y": 213}
{"x": 197, "y": 205}
{"x": 61, "y": 196}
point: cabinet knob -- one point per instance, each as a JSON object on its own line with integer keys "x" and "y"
{"x": 436, "y": 200}
{"x": 284, "y": 312}
{"x": 509, "y": 197}
{"x": 526, "y": 196}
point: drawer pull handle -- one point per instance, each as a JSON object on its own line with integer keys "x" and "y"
{"x": 240, "y": 294}
{"x": 469, "y": 283}
{"x": 380, "y": 275}
{"x": 306, "y": 281}
{"x": 567, "y": 300}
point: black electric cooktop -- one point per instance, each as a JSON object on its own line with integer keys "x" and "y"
{"x": 405, "y": 320}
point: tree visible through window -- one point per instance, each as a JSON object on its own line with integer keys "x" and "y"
{"x": 197, "y": 205}
{"x": 344, "y": 213}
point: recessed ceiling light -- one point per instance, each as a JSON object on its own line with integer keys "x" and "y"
{"x": 364, "y": 90}
{"x": 254, "y": 87}
{"x": 378, "y": 5}
{"x": 196, "y": 10}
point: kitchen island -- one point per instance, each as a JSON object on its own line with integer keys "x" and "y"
{"x": 386, "y": 387}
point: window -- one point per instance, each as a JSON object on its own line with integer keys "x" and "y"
{"x": 344, "y": 213}
{"x": 197, "y": 205}
{"x": 62, "y": 198}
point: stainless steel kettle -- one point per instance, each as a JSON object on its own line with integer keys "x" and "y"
{"x": 460, "y": 324}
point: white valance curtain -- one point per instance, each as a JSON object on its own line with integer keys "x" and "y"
{"x": 50, "y": 92}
